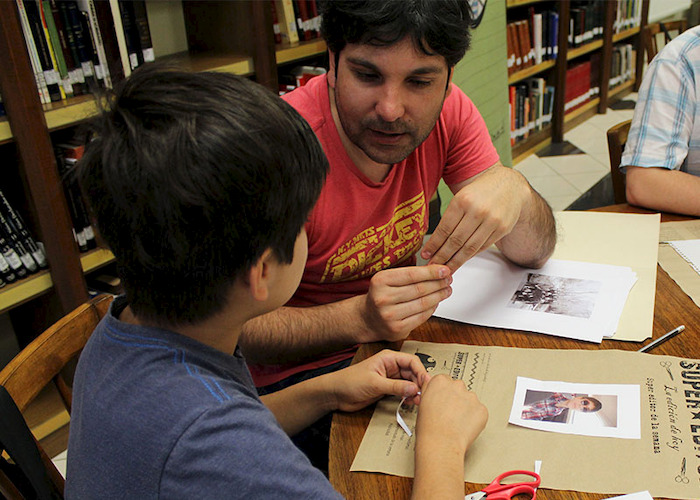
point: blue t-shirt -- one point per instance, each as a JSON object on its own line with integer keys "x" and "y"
{"x": 159, "y": 415}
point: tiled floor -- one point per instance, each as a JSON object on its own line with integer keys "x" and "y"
{"x": 562, "y": 180}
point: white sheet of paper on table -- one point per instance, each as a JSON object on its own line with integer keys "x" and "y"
{"x": 689, "y": 250}
{"x": 578, "y": 300}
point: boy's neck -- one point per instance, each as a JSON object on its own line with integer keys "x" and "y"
{"x": 220, "y": 331}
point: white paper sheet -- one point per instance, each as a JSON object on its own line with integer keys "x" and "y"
{"x": 689, "y": 250}
{"x": 578, "y": 300}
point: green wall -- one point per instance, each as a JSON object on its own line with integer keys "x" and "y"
{"x": 483, "y": 76}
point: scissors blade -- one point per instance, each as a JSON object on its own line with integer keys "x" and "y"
{"x": 479, "y": 495}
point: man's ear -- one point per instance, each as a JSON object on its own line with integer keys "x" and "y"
{"x": 450, "y": 74}
{"x": 258, "y": 277}
{"x": 332, "y": 70}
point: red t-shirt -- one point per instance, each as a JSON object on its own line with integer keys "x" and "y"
{"x": 358, "y": 226}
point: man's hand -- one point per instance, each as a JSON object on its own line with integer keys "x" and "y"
{"x": 487, "y": 209}
{"x": 386, "y": 373}
{"x": 400, "y": 299}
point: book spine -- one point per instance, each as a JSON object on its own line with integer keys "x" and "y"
{"x": 33, "y": 55}
{"x": 288, "y": 23}
{"x": 17, "y": 269}
{"x": 88, "y": 7}
{"x": 83, "y": 52}
{"x": 144, "y": 30}
{"x": 56, "y": 47}
{"x": 131, "y": 33}
{"x": 276, "y": 23}
{"x": 110, "y": 41}
{"x": 15, "y": 242}
{"x": 300, "y": 22}
{"x": 51, "y": 77}
{"x": 18, "y": 226}
{"x": 75, "y": 72}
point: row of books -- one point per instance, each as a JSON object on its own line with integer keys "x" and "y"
{"x": 586, "y": 22}
{"x": 20, "y": 254}
{"x": 295, "y": 20}
{"x": 531, "y": 103}
{"x": 67, "y": 155}
{"x": 623, "y": 64}
{"x": 533, "y": 40}
{"x": 79, "y": 46}
{"x": 582, "y": 83}
{"x": 628, "y": 15}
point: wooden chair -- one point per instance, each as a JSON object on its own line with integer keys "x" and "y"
{"x": 670, "y": 30}
{"x": 617, "y": 137}
{"x": 22, "y": 379}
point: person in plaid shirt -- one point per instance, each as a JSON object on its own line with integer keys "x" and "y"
{"x": 555, "y": 405}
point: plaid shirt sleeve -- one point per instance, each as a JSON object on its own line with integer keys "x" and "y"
{"x": 661, "y": 132}
{"x": 546, "y": 408}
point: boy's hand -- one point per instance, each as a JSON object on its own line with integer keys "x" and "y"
{"x": 449, "y": 415}
{"x": 386, "y": 373}
{"x": 400, "y": 299}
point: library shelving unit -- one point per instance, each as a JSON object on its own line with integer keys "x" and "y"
{"x": 235, "y": 37}
{"x": 554, "y": 70}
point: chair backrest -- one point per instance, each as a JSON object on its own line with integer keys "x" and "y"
{"x": 655, "y": 32}
{"x": 35, "y": 367}
{"x": 617, "y": 137}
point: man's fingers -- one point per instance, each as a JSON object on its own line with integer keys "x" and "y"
{"x": 410, "y": 275}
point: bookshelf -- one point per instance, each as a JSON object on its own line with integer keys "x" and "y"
{"x": 235, "y": 37}
{"x": 554, "y": 71}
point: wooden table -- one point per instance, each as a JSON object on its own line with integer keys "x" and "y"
{"x": 672, "y": 308}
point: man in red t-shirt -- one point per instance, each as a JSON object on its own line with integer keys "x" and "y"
{"x": 392, "y": 125}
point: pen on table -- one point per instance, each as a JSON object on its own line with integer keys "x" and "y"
{"x": 662, "y": 339}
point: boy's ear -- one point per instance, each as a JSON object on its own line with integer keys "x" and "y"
{"x": 258, "y": 277}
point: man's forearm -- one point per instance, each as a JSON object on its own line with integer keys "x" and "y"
{"x": 661, "y": 189}
{"x": 298, "y": 333}
{"x": 532, "y": 240}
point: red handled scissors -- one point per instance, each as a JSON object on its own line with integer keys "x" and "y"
{"x": 498, "y": 490}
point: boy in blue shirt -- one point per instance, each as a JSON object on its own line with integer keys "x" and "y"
{"x": 200, "y": 183}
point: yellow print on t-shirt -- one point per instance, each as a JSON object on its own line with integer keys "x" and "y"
{"x": 380, "y": 247}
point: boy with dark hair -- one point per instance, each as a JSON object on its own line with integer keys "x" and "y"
{"x": 200, "y": 184}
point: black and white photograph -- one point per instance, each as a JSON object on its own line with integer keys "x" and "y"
{"x": 557, "y": 295}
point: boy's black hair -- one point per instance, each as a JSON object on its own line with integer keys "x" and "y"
{"x": 191, "y": 177}
{"x": 436, "y": 26}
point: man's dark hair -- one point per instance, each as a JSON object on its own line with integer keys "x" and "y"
{"x": 436, "y": 26}
{"x": 191, "y": 177}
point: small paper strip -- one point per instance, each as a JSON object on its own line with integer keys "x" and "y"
{"x": 400, "y": 419}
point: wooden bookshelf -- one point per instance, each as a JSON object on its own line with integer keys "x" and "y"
{"x": 26, "y": 289}
{"x": 624, "y": 35}
{"x": 554, "y": 71}
{"x": 215, "y": 61}
{"x": 521, "y": 75}
{"x": 285, "y": 53}
{"x": 623, "y": 88}
{"x": 588, "y": 48}
{"x": 235, "y": 37}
